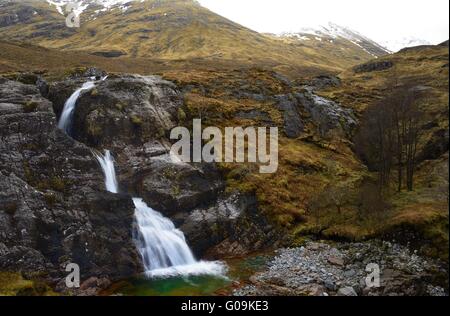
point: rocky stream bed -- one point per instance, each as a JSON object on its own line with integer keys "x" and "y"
{"x": 328, "y": 269}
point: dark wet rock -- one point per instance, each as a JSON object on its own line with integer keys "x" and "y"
{"x": 121, "y": 110}
{"x": 256, "y": 115}
{"x": 293, "y": 123}
{"x": 24, "y": 77}
{"x": 109, "y": 54}
{"x": 373, "y": 66}
{"x": 437, "y": 145}
{"x": 42, "y": 86}
{"x": 231, "y": 227}
{"x": 322, "y": 82}
{"x": 15, "y": 15}
{"x": 249, "y": 95}
{"x": 192, "y": 195}
{"x": 329, "y": 117}
{"x": 177, "y": 187}
{"x": 89, "y": 73}
{"x": 58, "y": 92}
{"x": 337, "y": 261}
{"x": 347, "y": 291}
{"x": 24, "y": 95}
{"x": 53, "y": 206}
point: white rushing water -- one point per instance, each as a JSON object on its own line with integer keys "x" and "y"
{"x": 162, "y": 246}
{"x": 107, "y": 164}
{"x": 65, "y": 121}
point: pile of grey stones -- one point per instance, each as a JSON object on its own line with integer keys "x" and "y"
{"x": 349, "y": 269}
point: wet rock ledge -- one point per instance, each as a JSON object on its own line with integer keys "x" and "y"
{"x": 54, "y": 208}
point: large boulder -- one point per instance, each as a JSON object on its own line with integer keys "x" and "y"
{"x": 166, "y": 184}
{"x": 293, "y": 122}
{"x": 232, "y": 227}
{"x": 374, "y": 66}
{"x": 121, "y": 110}
{"x": 330, "y": 118}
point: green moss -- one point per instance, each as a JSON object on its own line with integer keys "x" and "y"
{"x": 285, "y": 220}
{"x": 181, "y": 115}
{"x": 50, "y": 198}
{"x": 176, "y": 190}
{"x": 30, "y": 106}
{"x": 63, "y": 259}
{"x": 54, "y": 183}
{"x": 76, "y": 71}
{"x": 12, "y": 283}
{"x": 58, "y": 184}
{"x": 120, "y": 106}
{"x": 30, "y": 146}
{"x": 25, "y": 78}
{"x": 160, "y": 133}
{"x": 136, "y": 120}
{"x": 28, "y": 173}
{"x": 94, "y": 92}
{"x": 93, "y": 129}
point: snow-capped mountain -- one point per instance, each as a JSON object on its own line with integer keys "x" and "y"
{"x": 81, "y": 5}
{"x": 175, "y": 29}
{"x": 333, "y": 32}
{"x": 396, "y": 45}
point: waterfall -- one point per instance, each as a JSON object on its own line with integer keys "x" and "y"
{"x": 162, "y": 246}
{"x": 107, "y": 164}
{"x": 65, "y": 121}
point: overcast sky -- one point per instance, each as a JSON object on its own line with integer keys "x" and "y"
{"x": 381, "y": 20}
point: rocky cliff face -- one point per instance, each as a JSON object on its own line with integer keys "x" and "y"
{"x": 132, "y": 116}
{"x": 53, "y": 209}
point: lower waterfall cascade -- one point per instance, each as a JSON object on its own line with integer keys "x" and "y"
{"x": 163, "y": 248}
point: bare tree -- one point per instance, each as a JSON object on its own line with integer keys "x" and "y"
{"x": 390, "y": 133}
{"x": 375, "y": 142}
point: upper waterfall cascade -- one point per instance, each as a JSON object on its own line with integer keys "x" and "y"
{"x": 66, "y": 119}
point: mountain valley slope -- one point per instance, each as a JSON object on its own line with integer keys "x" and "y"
{"x": 172, "y": 30}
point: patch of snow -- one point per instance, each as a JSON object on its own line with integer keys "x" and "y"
{"x": 82, "y": 5}
{"x": 333, "y": 32}
{"x": 396, "y": 45}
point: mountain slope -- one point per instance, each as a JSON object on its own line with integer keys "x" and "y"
{"x": 343, "y": 38}
{"x": 169, "y": 29}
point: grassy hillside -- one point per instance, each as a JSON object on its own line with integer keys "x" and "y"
{"x": 424, "y": 212}
{"x": 322, "y": 188}
{"x": 173, "y": 30}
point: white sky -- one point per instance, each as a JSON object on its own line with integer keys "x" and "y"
{"x": 380, "y": 20}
